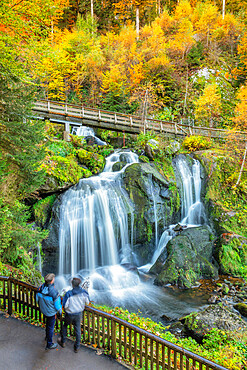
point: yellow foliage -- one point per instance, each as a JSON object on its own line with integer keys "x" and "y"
{"x": 205, "y": 18}
{"x": 183, "y": 10}
{"x": 208, "y": 105}
{"x": 183, "y": 39}
{"x": 114, "y": 79}
{"x": 165, "y": 21}
{"x": 241, "y": 109}
{"x": 136, "y": 74}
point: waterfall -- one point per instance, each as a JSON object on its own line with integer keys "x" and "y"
{"x": 192, "y": 209}
{"x": 155, "y": 216}
{"x": 85, "y": 131}
{"x": 94, "y": 221}
{"x": 96, "y": 239}
{"x": 39, "y": 260}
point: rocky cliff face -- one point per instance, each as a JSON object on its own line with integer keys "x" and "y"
{"x": 155, "y": 200}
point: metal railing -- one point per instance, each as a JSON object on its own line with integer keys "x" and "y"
{"x": 124, "y": 122}
{"x": 120, "y": 338}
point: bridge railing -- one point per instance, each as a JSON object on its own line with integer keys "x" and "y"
{"x": 118, "y": 337}
{"x": 128, "y": 122}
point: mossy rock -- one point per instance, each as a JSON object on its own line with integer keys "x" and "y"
{"x": 186, "y": 258}
{"x": 242, "y": 308}
{"x": 149, "y": 190}
{"x": 197, "y": 324}
{"x": 232, "y": 254}
{"x": 42, "y": 210}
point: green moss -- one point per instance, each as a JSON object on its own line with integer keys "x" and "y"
{"x": 144, "y": 159}
{"x": 93, "y": 161}
{"x": 42, "y": 210}
{"x": 233, "y": 257}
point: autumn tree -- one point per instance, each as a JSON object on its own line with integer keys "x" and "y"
{"x": 208, "y": 106}
{"x": 241, "y": 109}
{"x": 125, "y": 9}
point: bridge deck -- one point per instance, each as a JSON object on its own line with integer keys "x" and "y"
{"x": 74, "y": 116}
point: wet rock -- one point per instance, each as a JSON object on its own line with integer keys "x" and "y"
{"x": 198, "y": 324}
{"x": 146, "y": 187}
{"x": 178, "y": 228}
{"x": 52, "y": 185}
{"x": 118, "y": 166}
{"x": 166, "y": 318}
{"x": 176, "y": 328}
{"x": 213, "y": 299}
{"x": 173, "y": 147}
{"x": 242, "y": 308}
{"x": 225, "y": 289}
{"x": 189, "y": 258}
{"x": 50, "y": 245}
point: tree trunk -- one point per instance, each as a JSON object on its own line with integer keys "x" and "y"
{"x": 92, "y": 14}
{"x": 158, "y": 6}
{"x": 137, "y": 22}
{"x": 223, "y": 8}
{"x": 242, "y": 166}
{"x": 186, "y": 91}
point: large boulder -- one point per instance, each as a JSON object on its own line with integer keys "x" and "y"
{"x": 156, "y": 203}
{"x": 186, "y": 258}
{"x": 52, "y": 185}
{"x": 197, "y": 324}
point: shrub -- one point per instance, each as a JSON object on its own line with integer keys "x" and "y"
{"x": 193, "y": 143}
{"x": 65, "y": 170}
{"x": 93, "y": 161}
{"x": 60, "y": 148}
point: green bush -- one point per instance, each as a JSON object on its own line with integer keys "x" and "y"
{"x": 93, "y": 161}
{"x": 61, "y": 148}
{"x": 193, "y": 143}
{"x": 65, "y": 170}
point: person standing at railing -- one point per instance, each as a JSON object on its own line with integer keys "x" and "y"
{"x": 74, "y": 303}
{"x": 50, "y": 304}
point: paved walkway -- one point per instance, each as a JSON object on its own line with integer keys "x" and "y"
{"x": 22, "y": 347}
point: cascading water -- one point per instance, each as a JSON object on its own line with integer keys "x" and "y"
{"x": 94, "y": 221}
{"x": 39, "y": 259}
{"x": 192, "y": 208}
{"x": 96, "y": 239}
{"x": 192, "y": 212}
{"x": 85, "y": 131}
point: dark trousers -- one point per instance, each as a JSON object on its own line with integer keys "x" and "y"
{"x": 50, "y": 323}
{"x": 75, "y": 320}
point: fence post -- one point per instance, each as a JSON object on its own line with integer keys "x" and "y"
{"x": 113, "y": 339}
{"x": 9, "y": 284}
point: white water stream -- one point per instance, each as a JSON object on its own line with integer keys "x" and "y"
{"x": 96, "y": 240}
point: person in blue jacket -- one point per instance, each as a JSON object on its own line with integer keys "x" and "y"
{"x": 50, "y": 304}
{"x": 74, "y": 303}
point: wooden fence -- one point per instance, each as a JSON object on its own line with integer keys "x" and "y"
{"x": 75, "y": 115}
{"x": 120, "y": 338}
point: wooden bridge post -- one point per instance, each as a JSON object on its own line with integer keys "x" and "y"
{"x": 9, "y": 284}
{"x": 66, "y": 131}
{"x": 113, "y": 339}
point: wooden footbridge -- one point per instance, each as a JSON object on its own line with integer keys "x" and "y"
{"x": 71, "y": 115}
